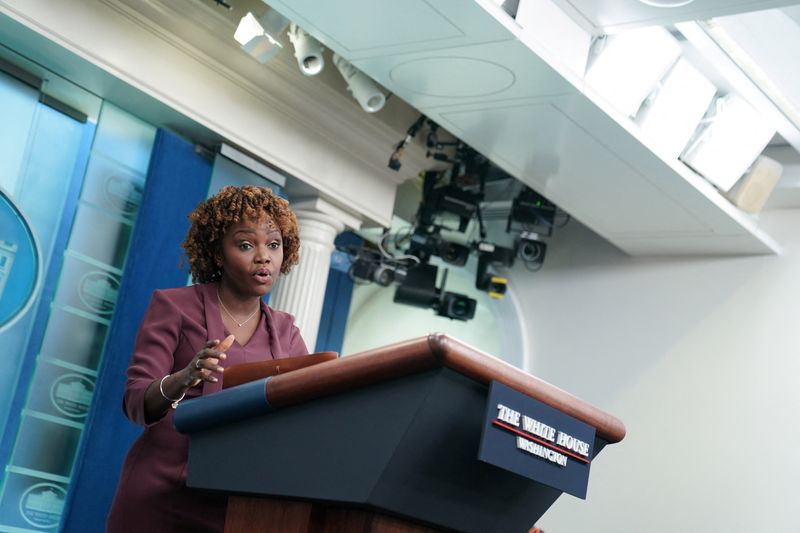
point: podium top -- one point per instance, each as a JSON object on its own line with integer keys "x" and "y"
{"x": 392, "y": 362}
{"x": 423, "y": 353}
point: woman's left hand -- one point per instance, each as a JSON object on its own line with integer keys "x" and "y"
{"x": 205, "y": 364}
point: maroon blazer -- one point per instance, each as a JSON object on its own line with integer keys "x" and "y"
{"x": 152, "y": 493}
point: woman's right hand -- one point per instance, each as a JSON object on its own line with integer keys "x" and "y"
{"x": 205, "y": 364}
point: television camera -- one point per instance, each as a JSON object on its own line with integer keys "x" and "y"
{"x": 456, "y": 194}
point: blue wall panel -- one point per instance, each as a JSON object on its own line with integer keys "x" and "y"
{"x": 178, "y": 179}
{"x": 338, "y": 294}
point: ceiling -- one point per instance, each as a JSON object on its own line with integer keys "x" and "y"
{"x": 516, "y": 97}
{"x": 517, "y": 94}
{"x": 611, "y": 16}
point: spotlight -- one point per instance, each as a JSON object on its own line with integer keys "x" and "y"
{"x": 260, "y": 37}
{"x": 307, "y": 50}
{"x": 248, "y": 29}
{"x": 363, "y": 89}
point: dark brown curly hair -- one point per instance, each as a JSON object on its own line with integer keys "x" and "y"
{"x": 212, "y": 217}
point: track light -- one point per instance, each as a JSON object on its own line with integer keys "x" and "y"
{"x": 260, "y": 37}
{"x": 307, "y": 50}
{"x": 363, "y": 89}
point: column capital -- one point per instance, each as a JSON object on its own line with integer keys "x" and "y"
{"x": 321, "y": 210}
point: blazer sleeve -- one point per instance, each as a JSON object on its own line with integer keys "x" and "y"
{"x": 152, "y": 359}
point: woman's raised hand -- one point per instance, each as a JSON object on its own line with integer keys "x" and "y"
{"x": 205, "y": 364}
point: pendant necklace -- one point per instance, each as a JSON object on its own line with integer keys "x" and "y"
{"x": 246, "y": 320}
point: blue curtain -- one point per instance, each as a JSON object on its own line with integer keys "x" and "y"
{"x": 338, "y": 294}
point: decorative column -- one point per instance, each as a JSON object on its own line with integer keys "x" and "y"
{"x": 302, "y": 291}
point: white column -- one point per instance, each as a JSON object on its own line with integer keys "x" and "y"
{"x": 302, "y": 291}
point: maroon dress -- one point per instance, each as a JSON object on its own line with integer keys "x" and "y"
{"x": 152, "y": 495}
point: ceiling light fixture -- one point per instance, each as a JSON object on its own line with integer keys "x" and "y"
{"x": 363, "y": 89}
{"x": 751, "y": 69}
{"x": 731, "y": 138}
{"x": 307, "y": 50}
{"x": 260, "y": 37}
{"x": 630, "y": 66}
{"x": 667, "y": 3}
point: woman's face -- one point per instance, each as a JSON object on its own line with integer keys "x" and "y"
{"x": 252, "y": 254}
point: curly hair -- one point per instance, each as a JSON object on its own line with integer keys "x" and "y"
{"x": 212, "y": 217}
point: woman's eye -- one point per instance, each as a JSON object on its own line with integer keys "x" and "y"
{"x": 245, "y": 246}
{"x": 275, "y": 245}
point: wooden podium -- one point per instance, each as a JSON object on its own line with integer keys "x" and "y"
{"x": 382, "y": 441}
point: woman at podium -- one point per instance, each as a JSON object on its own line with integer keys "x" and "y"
{"x": 239, "y": 242}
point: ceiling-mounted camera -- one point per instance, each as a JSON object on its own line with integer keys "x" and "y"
{"x": 450, "y": 199}
{"x": 456, "y": 306}
{"x": 419, "y": 289}
{"x": 424, "y": 245}
{"x": 370, "y": 266}
{"x": 531, "y": 249}
{"x": 532, "y": 211}
{"x": 461, "y": 192}
{"x": 489, "y": 254}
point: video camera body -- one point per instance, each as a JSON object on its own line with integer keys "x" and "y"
{"x": 419, "y": 289}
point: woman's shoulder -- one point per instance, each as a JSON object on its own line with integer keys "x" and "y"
{"x": 281, "y": 318}
{"x": 180, "y": 295}
{"x": 180, "y": 303}
{"x": 285, "y": 329}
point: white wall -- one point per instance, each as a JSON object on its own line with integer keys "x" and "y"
{"x": 701, "y": 360}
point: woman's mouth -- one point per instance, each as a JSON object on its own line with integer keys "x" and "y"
{"x": 263, "y": 275}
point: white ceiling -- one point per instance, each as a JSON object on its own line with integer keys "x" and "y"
{"x": 468, "y": 66}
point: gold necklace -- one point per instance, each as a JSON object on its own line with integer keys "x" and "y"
{"x": 240, "y": 324}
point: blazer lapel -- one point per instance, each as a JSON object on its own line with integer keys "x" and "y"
{"x": 215, "y": 328}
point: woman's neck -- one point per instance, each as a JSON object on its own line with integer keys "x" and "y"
{"x": 237, "y": 302}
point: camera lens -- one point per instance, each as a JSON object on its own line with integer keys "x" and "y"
{"x": 531, "y": 251}
{"x": 460, "y": 308}
{"x": 457, "y": 306}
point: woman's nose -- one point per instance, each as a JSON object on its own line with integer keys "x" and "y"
{"x": 263, "y": 255}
